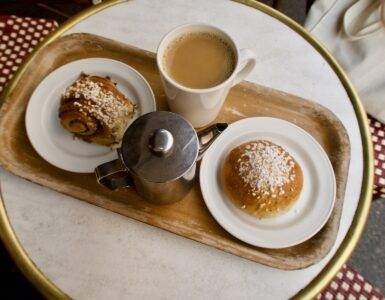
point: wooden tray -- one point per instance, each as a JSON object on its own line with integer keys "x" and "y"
{"x": 189, "y": 217}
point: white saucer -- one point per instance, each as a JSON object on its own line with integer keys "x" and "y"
{"x": 309, "y": 213}
{"x": 58, "y": 146}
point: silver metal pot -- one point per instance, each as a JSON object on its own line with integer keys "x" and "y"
{"x": 158, "y": 157}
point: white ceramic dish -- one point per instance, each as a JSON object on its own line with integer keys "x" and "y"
{"x": 309, "y": 213}
{"x": 58, "y": 146}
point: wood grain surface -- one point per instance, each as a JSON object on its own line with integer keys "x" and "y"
{"x": 189, "y": 217}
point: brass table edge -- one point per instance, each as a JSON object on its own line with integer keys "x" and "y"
{"x": 50, "y": 290}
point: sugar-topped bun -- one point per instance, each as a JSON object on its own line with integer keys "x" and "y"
{"x": 262, "y": 178}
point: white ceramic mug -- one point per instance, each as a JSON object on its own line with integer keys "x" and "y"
{"x": 201, "y": 106}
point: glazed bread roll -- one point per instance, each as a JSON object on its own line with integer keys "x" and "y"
{"x": 262, "y": 178}
{"x": 95, "y": 110}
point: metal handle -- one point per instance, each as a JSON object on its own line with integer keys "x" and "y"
{"x": 208, "y": 135}
{"x": 113, "y": 175}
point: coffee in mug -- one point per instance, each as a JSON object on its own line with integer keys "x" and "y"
{"x": 199, "y": 60}
{"x": 198, "y": 64}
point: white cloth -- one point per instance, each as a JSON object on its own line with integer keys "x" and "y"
{"x": 354, "y": 31}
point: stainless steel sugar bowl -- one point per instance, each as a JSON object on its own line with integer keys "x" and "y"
{"x": 158, "y": 157}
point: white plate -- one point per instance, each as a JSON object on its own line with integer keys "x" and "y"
{"x": 309, "y": 213}
{"x": 58, "y": 146}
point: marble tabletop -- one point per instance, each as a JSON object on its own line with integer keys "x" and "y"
{"x": 89, "y": 252}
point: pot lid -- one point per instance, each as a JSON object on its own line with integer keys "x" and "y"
{"x": 159, "y": 146}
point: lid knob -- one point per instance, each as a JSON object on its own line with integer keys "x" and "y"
{"x": 161, "y": 141}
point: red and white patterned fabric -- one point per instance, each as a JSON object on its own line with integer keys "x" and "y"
{"x": 18, "y": 37}
{"x": 378, "y": 137}
{"x": 350, "y": 285}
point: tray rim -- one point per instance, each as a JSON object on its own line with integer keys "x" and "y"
{"x": 184, "y": 229}
{"x": 49, "y": 289}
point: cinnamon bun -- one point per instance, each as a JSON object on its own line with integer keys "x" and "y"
{"x": 94, "y": 110}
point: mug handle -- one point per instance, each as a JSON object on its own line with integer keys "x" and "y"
{"x": 247, "y": 61}
{"x": 113, "y": 175}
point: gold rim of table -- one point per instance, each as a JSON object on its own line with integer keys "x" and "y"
{"x": 50, "y": 290}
